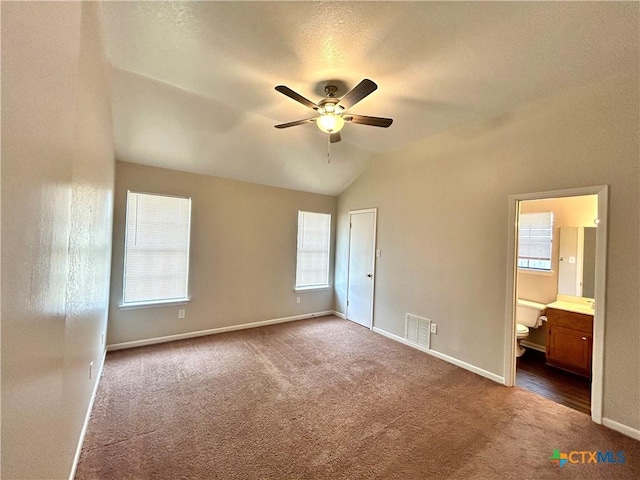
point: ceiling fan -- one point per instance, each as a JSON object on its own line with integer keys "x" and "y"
{"x": 332, "y": 111}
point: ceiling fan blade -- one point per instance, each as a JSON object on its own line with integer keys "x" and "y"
{"x": 297, "y": 122}
{"x": 357, "y": 93}
{"x": 335, "y": 137}
{"x": 296, "y": 96}
{"x": 373, "y": 121}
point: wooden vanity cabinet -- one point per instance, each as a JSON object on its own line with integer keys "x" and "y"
{"x": 570, "y": 341}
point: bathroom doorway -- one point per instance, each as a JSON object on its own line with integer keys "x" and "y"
{"x": 557, "y": 258}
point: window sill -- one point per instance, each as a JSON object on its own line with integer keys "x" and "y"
{"x": 167, "y": 303}
{"x": 321, "y": 288}
{"x": 530, "y": 271}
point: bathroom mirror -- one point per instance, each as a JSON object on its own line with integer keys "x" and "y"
{"x": 577, "y": 261}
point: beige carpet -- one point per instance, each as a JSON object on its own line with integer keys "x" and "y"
{"x": 326, "y": 399}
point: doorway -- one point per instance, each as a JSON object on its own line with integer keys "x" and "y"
{"x": 546, "y": 367}
{"x": 361, "y": 274}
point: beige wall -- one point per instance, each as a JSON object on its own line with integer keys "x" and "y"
{"x": 243, "y": 254}
{"x": 443, "y": 224}
{"x": 57, "y": 187}
{"x": 541, "y": 287}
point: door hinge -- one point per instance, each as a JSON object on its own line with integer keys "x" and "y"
{"x": 347, "y": 303}
{"x": 351, "y": 225}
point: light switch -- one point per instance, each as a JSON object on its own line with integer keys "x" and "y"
{"x": 378, "y": 253}
{"x": 572, "y": 259}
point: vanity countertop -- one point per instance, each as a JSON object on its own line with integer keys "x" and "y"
{"x": 571, "y": 307}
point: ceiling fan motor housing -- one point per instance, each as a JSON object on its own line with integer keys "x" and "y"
{"x": 328, "y": 105}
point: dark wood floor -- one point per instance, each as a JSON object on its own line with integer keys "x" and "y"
{"x": 562, "y": 387}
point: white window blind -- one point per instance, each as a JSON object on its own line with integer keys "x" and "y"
{"x": 535, "y": 241}
{"x": 156, "y": 257}
{"x": 314, "y": 232}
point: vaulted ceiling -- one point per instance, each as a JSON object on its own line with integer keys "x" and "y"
{"x": 193, "y": 82}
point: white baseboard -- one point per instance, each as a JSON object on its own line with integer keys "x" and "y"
{"x": 340, "y": 315}
{"x": 213, "y": 331}
{"x": 83, "y": 432}
{"x": 533, "y": 346}
{"x": 442, "y": 356}
{"x": 619, "y": 427}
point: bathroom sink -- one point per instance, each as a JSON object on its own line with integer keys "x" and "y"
{"x": 572, "y": 307}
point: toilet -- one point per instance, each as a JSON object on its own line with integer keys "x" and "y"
{"x": 528, "y": 315}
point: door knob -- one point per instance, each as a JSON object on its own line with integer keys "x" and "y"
{"x": 584, "y": 338}
{"x": 369, "y": 275}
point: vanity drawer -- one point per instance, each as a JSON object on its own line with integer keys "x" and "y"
{"x": 572, "y": 320}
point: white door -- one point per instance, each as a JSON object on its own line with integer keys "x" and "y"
{"x": 362, "y": 239}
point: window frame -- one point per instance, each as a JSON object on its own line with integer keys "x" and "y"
{"x": 318, "y": 287}
{"x": 532, "y": 270}
{"x": 162, "y": 302}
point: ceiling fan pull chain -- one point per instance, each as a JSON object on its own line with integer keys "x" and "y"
{"x": 328, "y": 149}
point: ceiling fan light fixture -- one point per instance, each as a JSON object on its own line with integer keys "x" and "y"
{"x": 330, "y": 123}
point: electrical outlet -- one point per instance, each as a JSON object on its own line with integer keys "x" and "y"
{"x": 297, "y": 299}
{"x": 90, "y": 370}
{"x": 434, "y": 328}
{"x": 181, "y": 313}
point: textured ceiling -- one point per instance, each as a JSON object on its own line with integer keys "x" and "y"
{"x": 193, "y": 82}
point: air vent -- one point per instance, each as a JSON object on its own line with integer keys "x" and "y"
{"x": 417, "y": 330}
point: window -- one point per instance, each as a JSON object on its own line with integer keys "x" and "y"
{"x": 156, "y": 253}
{"x": 314, "y": 232}
{"x": 535, "y": 235}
